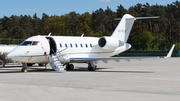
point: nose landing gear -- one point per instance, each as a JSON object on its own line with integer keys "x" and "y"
{"x": 24, "y": 68}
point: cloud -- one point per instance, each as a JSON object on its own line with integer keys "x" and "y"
{"x": 104, "y": 0}
{"x": 34, "y": 9}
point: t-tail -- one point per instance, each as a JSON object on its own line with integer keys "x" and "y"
{"x": 124, "y": 27}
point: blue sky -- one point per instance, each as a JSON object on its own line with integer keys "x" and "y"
{"x": 61, "y": 7}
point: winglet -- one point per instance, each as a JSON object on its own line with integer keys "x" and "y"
{"x": 170, "y": 52}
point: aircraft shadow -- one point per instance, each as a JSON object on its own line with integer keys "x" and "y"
{"x": 17, "y": 69}
{"x": 29, "y": 70}
{"x": 82, "y": 69}
{"x": 10, "y": 72}
{"x": 127, "y": 71}
{"x": 77, "y": 69}
{"x": 12, "y": 67}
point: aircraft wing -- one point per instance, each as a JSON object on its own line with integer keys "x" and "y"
{"x": 105, "y": 59}
{"x": 108, "y": 58}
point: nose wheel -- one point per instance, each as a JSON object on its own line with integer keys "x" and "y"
{"x": 2, "y": 63}
{"x": 24, "y": 68}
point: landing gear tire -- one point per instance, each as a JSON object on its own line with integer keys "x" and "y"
{"x": 69, "y": 67}
{"x": 91, "y": 66}
{"x": 42, "y": 64}
{"x": 29, "y": 64}
{"x": 2, "y": 63}
{"x": 24, "y": 70}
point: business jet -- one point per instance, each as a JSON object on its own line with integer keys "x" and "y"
{"x": 62, "y": 51}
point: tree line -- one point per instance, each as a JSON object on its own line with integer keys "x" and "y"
{"x": 100, "y": 23}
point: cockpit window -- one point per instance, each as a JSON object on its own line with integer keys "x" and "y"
{"x": 28, "y": 43}
{"x": 36, "y": 43}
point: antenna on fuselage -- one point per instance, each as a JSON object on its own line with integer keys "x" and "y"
{"x": 49, "y": 34}
{"x": 82, "y": 35}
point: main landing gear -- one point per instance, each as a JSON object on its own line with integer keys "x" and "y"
{"x": 91, "y": 66}
{"x": 69, "y": 66}
{"x": 24, "y": 68}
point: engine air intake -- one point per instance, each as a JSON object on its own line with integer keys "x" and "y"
{"x": 109, "y": 43}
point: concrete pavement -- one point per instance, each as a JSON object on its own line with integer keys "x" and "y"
{"x": 146, "y": 80}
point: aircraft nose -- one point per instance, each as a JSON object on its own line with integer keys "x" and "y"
{"x": 14, "y": 54}
{"x": 10, "y": 56}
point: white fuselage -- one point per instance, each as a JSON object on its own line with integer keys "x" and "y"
{"x": 86, "y": 47}
{"x": 69, "y": 47}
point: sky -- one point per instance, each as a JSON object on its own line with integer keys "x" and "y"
{"x": 61, "y": 7}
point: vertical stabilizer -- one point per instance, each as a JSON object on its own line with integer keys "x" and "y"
{"x": 123, "y": 29}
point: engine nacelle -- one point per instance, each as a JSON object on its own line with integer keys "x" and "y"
{"x": 109, "y": 43}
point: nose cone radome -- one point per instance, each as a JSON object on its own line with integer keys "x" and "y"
{"x": 10, "y": 56}
{"x": 13, "y": 55}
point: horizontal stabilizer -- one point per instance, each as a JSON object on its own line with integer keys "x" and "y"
{"x": 140, "y": 18}
{"x": 144, "y": 17}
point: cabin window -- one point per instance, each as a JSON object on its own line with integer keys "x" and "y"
{"x": 76, "y": 45}
{"x": 65, "y": 45}
{"x": 71, "y": 45}
{"x": 60, "y": 45}
{"x": 91, "y": 45}
{"x": 86, "y": 45}
{"x": 81, "y": 45}
{"x": 26, "y": 43}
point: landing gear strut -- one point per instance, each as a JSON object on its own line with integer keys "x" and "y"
{"x": 69, "y": 66}
{"x": 24, "y": 69}
{"x": 91, "y": 66}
